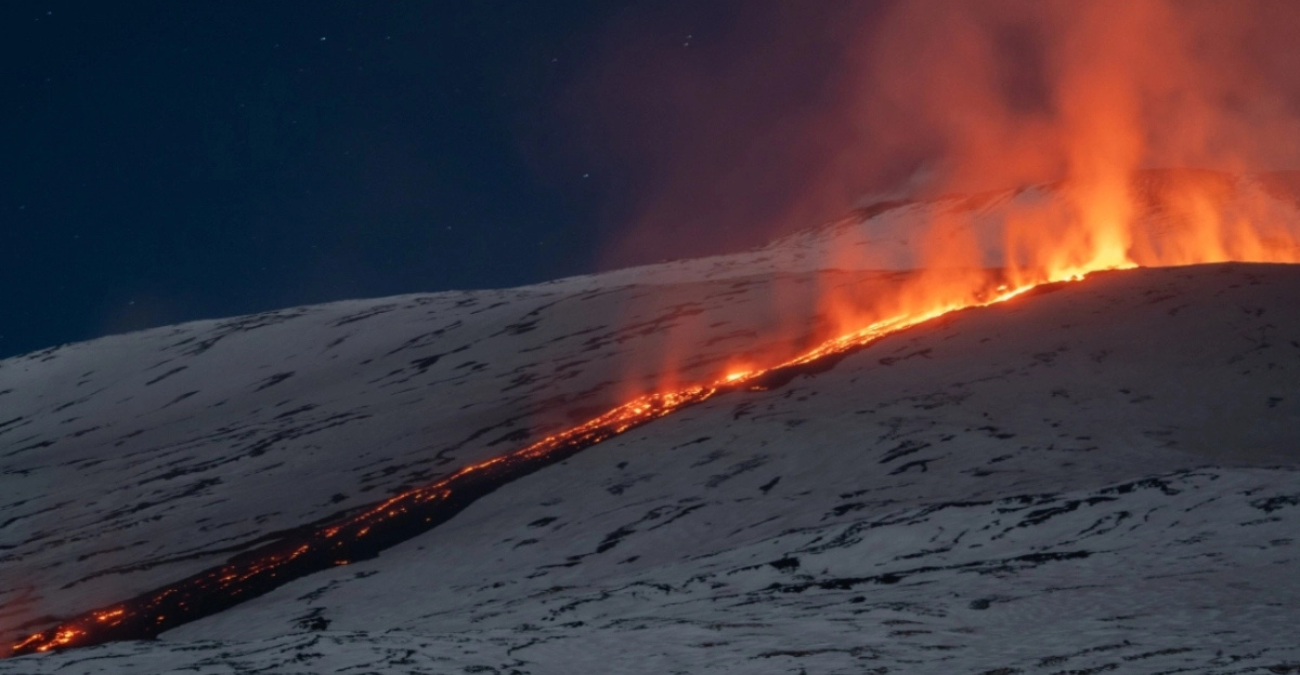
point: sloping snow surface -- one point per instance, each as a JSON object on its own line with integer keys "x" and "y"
{"x": 1102, "y": 477}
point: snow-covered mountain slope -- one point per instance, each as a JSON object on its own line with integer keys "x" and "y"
{"x": 1014, "y": 485}
{"x": 1099, "y": 477}
{"x": 139, "y": 459}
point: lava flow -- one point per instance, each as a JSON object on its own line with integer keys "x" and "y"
{"x": 928, "y": 295}
{"x": 1117, "y": 87}
{"x": 1042, "y": 248}
{"x": 364, "y": 535}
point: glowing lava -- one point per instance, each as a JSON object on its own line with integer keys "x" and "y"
{"x": 1043, "y": 245}
{"x": 410, "y": 513}
{"x": 1057, "y": 249}
{"x": 1124, "y": 86}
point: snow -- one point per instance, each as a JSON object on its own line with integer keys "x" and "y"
{"x": 1099, "y": 478}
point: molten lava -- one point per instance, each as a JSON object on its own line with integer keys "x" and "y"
{"x": 405, "y": 515}
{"x": 1125, "y": 88}
{"x": 1079, "y": 246}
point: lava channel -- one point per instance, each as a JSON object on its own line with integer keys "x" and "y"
{"x": 361, "y": 536}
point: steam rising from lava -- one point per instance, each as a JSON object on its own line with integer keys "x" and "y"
{"x": 1081, "y": 94}
{"x": 788, "y": 115}
{"x": 1081, "y": 98}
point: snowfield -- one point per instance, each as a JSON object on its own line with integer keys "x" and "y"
{"x": 1105, "y": 476}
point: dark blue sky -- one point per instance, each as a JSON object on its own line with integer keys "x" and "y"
{"x": 168, "y": 161}
{"x": 173, "y": 160}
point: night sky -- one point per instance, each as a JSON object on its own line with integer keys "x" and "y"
{"x": 170, "y": 161}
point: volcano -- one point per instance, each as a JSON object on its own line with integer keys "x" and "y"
{"x": 1075, "y": 473}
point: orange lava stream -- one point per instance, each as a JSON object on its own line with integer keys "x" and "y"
{"x": 1125, "y": 86}
{"x": 655, "y": 405}
{"x": 1042, "y": 250}
{"x": 230, "y": 578}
